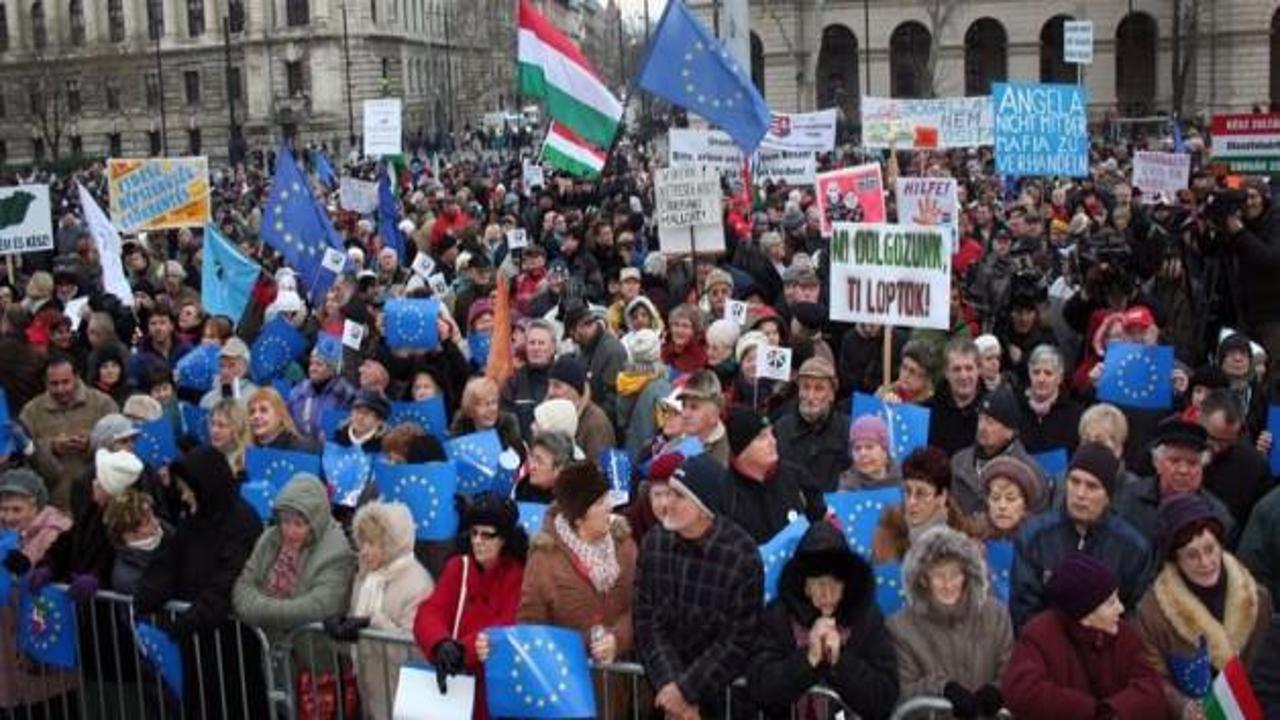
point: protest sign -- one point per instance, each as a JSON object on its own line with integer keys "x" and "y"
{"x": 891, "y": 275}
{"x": 517, "y": 239}
{"x": 783, "y": 166}
{"x": 26, "y": 221}
{"x": 358, "y": 195}
{"x": 1158, "y": 173}
{"x": 1077, "y": 42}
{"x": 158, "y": 193}
{"x": 808, "y": 132}
{"x": 736, "y": 310}
{"x": 774, "y": 363}
{"x": 1247, "y": 144}
{"x": 853, "y": 194}
{"x": 382, "y": 127}
{"x": 703, "y": 148}
{"x": 929, "y": 201}
{"x": 1041, "y": 129}
{"x": 688, "y": 210}
{"x": 927, "y": 124}
{"x": 532, "y": 176}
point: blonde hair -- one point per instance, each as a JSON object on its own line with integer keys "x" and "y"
{"x": 1107, "y": 419}
{"x": 235, "y": 415}
{"x": 125, "y": 512}
{"x": 270, "y": 396}
{"x": 474, "y": 391}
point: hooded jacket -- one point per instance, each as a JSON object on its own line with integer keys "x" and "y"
{"x": 865, "y": 675}
{"x": 968, "y": 643}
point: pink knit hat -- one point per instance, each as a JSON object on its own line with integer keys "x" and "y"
{"x": 869, "y": 428}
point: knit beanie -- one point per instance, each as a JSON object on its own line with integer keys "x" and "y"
{"x": 1001, "y": 406}
{"x": 701, "y": 479}
{"x": 569, "y": 370}
{"x": 723, "y": 333}
{"x": 1079, "y": 584}
{"x": 557, "y": 415}
{"x": 1178, "y": 515}
{"x": 643, "y": 346}
{"x": 117, "y": 471}
{"x": 743, "y": 427}
{"x": 869, "y": 428}
{"x": 578, "y": 487}
{"x": 1097, "y": 460}
{"x": 750, "y": 340}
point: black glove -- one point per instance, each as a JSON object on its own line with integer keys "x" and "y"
{"x": 449, "y": 658}
{"x": 16, "y": 562}
{"x": 345, "y": 629}
{"x": 989, "y": 700}
{"x": 963, "y": 705}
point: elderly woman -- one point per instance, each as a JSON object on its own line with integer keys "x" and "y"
{"x": 722, "y": 339}
{"x": 1078, "y": 659}
{"x": 479, "y": 589}
{"x": 869, "y": 449}
{"x": 926, "y": 502}
{"x": 914, "y": 383}
{"x": 1050, "y": 418}
{"x": 229, "y": 433}
{"x": 953, "y": 639}
{"x": 824, "y": 628}
{"x": 1201, "y": 595}
{"x": 685, "y": 348}
{"x": 549, "y": 453}
{"x": 272, "y": 425}
{"x": 989, "y": 353}
{"x": 1014, "y": 491}
{"x": 367, "y": 424}
{"x": 581, "y": 571}
{"x": 480, "y": 411}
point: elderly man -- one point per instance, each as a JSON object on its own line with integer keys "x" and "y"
{"x": 765, "y": 493}
{"x": 698, "y": 596}
{"x": 60, "y": 421}
{"x": 323, "y": 391}
{"x": 1179, "y": 454}
{"x": 701, "y": 404}
{"x": 954, "y": 416}
{"x": 527, "y": 388}
{"x": 1083, "y": 522}
{"x": 1050, "y": 418}
{"x": 996, "y": 436}
{"x": 601, "y": 352}
{"x": 232, "y": 380}
{"x": 813, "y": 434}
{"x": 1237, "y": 474}
{"x": 568, "y": 381}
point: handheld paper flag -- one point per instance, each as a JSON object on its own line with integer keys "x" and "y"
{"x": 277, "y": 467}
{"x": 157, "y": 648}
{"x": 908, "y": 424}
{"x": 775, "y": 554}
{"x": 859, "y": 511}
{"x": 429, "y": 414}
{"x": 227, "y": 277}
{"x": 196, "y": 369}
{"x": 411, "y": 324}
{"x": 537, "y": 671}
{"x": 195, "y": 422}
{"x": 47, "y": 627}
{"x": 890, "y": 594}
{"x": 347, "y": 469}
{"x": 531, "y": 516}
{"x": 277, "y": 345}
{"x": 428, "y": 491}
{"x": 477, "y": 457}
{"x": 156, "y": 444}
{"x": 1000, "y": 567}
{"x": 1137, "y": 376}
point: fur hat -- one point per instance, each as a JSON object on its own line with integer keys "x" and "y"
{"x": 578, "y": 487}
{"x": 500, "y": 513}
{"x": 116, "y": 472}
{"x": 935, "y": 545}
{"x": 392, "y": 524}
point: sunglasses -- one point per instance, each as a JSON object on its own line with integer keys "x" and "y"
{"x": 484, "y": 534}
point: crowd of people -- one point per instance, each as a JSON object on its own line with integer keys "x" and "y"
{"x": 1159, "y": 540}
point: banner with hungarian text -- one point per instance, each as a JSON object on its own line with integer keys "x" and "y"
{"x": 158, "y": 193}
{"x": 890, "y": 274}
{"x": 927, "y": 124}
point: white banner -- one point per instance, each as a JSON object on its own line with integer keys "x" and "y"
{"x": 891, "y": 275}
{"x": 1077, "y": 42}
{"x": 1157, "y": 173}
{"x": 930, "y": 124}
{"x": 26, "y": 221}
{"x": 382, "y": 132}
{"x": 688, "y": 210}
{"x": 107, "y": 239}
{"x": 783, "y": 166}
{"x": 703, "y": 148}
{"x": 358, "y": 195}
{"x": 929, "y": 201}
{"x": 814, "y": 132}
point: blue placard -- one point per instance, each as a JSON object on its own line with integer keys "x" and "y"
{"x": 775, "y": 553}
{"x": 544, "y": 671}
{"x": 428, "y": 490}
{"x": 411, "y": 324}
{"x": 891, "y": 596}
{"x": 477, "y": 456}
{"x": 531, "y": 516}
{"x": 908, "y": 424}
{"x": 47, "y": 626}
{"x": 429, "y": 414}
{"x": 156, "y": 444}
{"x": 1041, "y": 129}
{"x": 858, "y": 513}
{"x": 277, "y": 467}
{"x": 1000, "y": 567}
{"x": 1137, "y": 376}
{"x": 347, "y": 469}
{"x": 1273, "y": 426}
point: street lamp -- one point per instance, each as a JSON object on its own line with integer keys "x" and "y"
{"x": 346, "y": 52}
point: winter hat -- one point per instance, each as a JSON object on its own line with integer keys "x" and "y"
{"x": 723, "y": 333}
{"x": 374, "y": 402}
{"x": 142, "y": 408}
{"x": 111, "y": 428}
{"x": 569, "y": 370}
{"x": 743, "y": 427}
{"x": 701, "y": 479}
{"x": 117, "y": 471}
{"x": 869, "y": 428}
{"x": 24, "y": 481}
{"x": 629, "y": 273}
{"x": 557, "y": 415}
{"x": 1079, "y": 584}
{"x": 1000, "y": 405}
{"x": 478, "y": 309}
{"x": 817, "y": 367}
{"x": 987, "y": 343}
{"x": 643, "y": 346}
{"x": 1019, "y": 473}
{"x": 717, "y": 277}
{"x": 663, "y": 466}
{"x": 748, "y": 341}
{"x": 578, "y": 487}
{"x": 235, "y": 348}
{"x": 1180, "y": 433}
{"x": 1182, "y": 517}
{"x": 392, "y": 521}
{"x": 1097, "y": 460}
{"x": 1208, "y": 376}
{"x": 500, "y": 513}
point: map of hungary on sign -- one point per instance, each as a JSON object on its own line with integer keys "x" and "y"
{"x": 158, "y": 193}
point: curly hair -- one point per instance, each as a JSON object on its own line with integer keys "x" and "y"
{"x": 930, "y": 465}
{"x": 124, "y": 513}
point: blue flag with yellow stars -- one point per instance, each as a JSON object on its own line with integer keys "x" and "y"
{"x": 615, "y": 465}
{"x": 6, "y": 435}
{"x": 858, "y": 513}
{"x": 8, "y": 541}
{"x": 1192, "y": 675}
{"x": 47, "y": 627}
{"x": 428, "y": 414}
{"x": 156, "y": 444}
{"x": 195, "y": 421}
{"x": 690, "y": 68}
{"x": 347, "y": 469}
{"x": 531, "y": 516}
{"x": 261, "y": 496}
{"x": 1137, "y": 376}
{"x": 411, "y": 324}
{"x": 477, "y": 456}
{"x": 428, "y": 491}
{"x": 775, "y": 553}
{"x": 276, "y": 346}
{"x": 277, "y": 467}
{"x": 1273, "y": 425}
{"x": 908, "y": 424}
{"x": 891, "y": 596}
{"x": 297, "y": 227}
{"x": 164, "y": 655}
{"x": 389, "y": 212}
{"x": 1000, "y": 567}
{"x": 1053, "y": 463}
{"x": 196, "y": 369}
{"x": 538, "y": 671}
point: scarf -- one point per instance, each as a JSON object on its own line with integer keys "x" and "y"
{"x": 358, "y": 440}
{"x": 599, "y": 559}
{"x": 1041, "y": 408}
{"x": 282, "y": 578}
{"x": 372, "y": 589}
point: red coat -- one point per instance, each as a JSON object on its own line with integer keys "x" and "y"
{"x": 492, "y": 599}
{"x": 1061, "y": 669}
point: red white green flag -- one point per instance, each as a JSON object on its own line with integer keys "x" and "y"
{"x": 566, "y": 151}
{"x": 1231, "y": 697}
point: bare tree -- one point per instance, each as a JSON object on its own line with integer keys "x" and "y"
{"x": 1186, "y": 31}
{"x": 48, "y": 104}
{"x": 940, "y": 13}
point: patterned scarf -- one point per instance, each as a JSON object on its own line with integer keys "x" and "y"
{"x": 282, "y": 578}
{"x": 599, "y": 558}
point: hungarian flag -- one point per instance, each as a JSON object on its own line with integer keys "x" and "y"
{"x": 567, "y": 151}
{"x": 1231, "y": 697}
{"x": 553, "y": 69}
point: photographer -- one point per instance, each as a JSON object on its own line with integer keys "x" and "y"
{"x": 1253, "y": 238}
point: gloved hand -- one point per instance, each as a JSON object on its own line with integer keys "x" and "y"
{"x": 449, "y": 657}
{"x": 83, "y": 586}
{"x": 989, "y": 700}
{"x": 345, "y": 629}
{"x": 38, "y": 578}
{"x": 16, "y": 562}
{"x": 964, "y": 706}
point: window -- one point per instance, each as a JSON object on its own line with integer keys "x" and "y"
{"x": 112, "y": 90}
{"x": 235, "y": 15}
{"x": 386, "y": 69}
{"x": 115, "y": 20}
{"x": 75, "y": 11}
{"x": 233, "y": 84}
{"x": 37, "y": 150}
{"x": 153, "y": 141}
{"x": 373, "y": 11}
{"x": 193, "y": 141}
{"x": 191, "y": 81}
{"x": 293, "y": 79}
{"x": 152, "y": 82}
{"x": 195, "y": 18}
{"x": 297, "y": 12}
{"x": 3, "y": 110}
{"x": 35, "y": 99}
{"x": 77, "y": 146}
{"x": 114, "y": 146}
{"x": 73, "y": 96}
{"x": 39, "y": 33}
{"x": 155, "y": 19}
{"x": 4, "y": 29}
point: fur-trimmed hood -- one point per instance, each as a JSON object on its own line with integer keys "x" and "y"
{"x": 642, "y": 301}
{"x": 1190, "y": 619}
{"x": 824, "y": 551}
{"x": 943, "y": 543}
{"x": 393, "y": 521}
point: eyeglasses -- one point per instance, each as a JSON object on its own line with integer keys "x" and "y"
{"x": 482, "y": 534}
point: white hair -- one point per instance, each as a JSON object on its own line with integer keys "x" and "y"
{"x": 1158, "y": 452}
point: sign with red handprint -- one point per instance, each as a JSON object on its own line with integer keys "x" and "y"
{"x": 928, "y": 201}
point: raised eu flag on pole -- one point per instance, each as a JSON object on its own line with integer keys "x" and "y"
{"x": 227, "y": 277}
{"x": 276, "y": 346}
{"x": 428, "y": 490}
{"x": 347, "y": 468}
{"x": 411, "y": 324}
{"x": 196, "y": 369}
{"x": 323, "y": 168}
{"x": 429, "y": 414}
{"x": 1137, "y": 376}
{"x": 859, "y": 511}
{"x": 298, "y": 228}
{"x": 690, "y": 68}
{"x": 156, "y": 444}
{"x": 477, "y": 456}
{"x": 775, "y": 553}
{"x": 47, "y": 627}
{"x": 538, "y": 671}
{"x": 389, "y": 212}
{"x": 891, "y": 596}
{"x": 908, "y": 424}
{"x": 164, "y": 655}
{"x": 277, "y": 467}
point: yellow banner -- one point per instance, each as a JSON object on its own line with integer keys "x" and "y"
{"x": 158, "y": 193}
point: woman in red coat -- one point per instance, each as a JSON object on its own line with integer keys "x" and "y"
{"x": 1078, "y": 660}
{"x": 479, "y": 589}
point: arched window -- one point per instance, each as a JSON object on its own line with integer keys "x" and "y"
{"x": 909, "y": 61}
{"x": 1136, "y": 64}
{"x": 757, "y": 62}
{"x": 837, "y": 80}
{"x": 986, "y": 56}
{"x": 1053, "y": 69}
{"x": 297, "y": 12}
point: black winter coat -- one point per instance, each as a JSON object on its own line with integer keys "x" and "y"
{"x": 1255, "y": 251}
{"x": 763, "y": 509}
{"x": 952, "y": 428}
{"x": 1059, "y": 428}
{"x": 821, "y": 447}
{"x": 1239, "y": 477}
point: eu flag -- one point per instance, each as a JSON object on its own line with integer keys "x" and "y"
{"x": 196, "y": 369}
{"x": 775, "y": 553}
{"x": 1053, "y": 463}
{"x": 323, "y": 169}
{"x": 479, "y": 343}
{"x": 689, "y": 67}
{"x": 329, "y": 348}
{"x": 532, "y": 515}
{"x": 538, "y": 671}
{"x": 260, "y": 495}
{"x": 332, "y": 418}
{"x": 411, "y": 324}
{"x": 47, "y": 627}
{"x": 858, "y": 512}
{"x": 277, "y": 467}
{"x": 890, "y": 594}
{"x": 615, "y": 465}
{"x": 347, "y": 469}
{"x": 157, "y": 648}
{"x": 908, "y": 424}
{"x": 1273, "y": 426}
{"x": 277, "y": 345}
{"x": 1192, "y": 674}
{"x": 195, "y": 421}
{"x": 156, "y": 444}
{"x": 298, "y": 228}
{"x": 226, "y": 276}
{"x": 8, "y": 541}
{"x": 428, "y": 491}
{"x": 1137, "y": 376}
{"x": 477, "y": 457}
{"x": 1000, "y": 567}
{"x": 429, "y": 414}
{"x": 389, "y": 214}
{"x": 6, "y": 435}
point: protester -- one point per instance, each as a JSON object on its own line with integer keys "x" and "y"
{"x": 995, "y": 437}
{"x": 229, "y": 433}
{"x": 1179, "y": 453}
{"x": 926, "y": 502}
{"x": 702, "y": 402}
{"x": 765, "y": 493}
{"x": 231, "y": 380}
{"x": 869, "y": 449}
{"x": 568, "y": 381}
{"x": 1014, "y": 493}
{"x": 1237, "y": 473}
{"x": 1050, "y": 417}
{"x": 814, "y": 434}
{"x": 323, "y": 392}
{"x": 954, "y": 418}
{"x": 480, "y": 411}
{"x": 271, "y": 424}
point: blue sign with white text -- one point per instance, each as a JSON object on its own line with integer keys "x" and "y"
{"x": 1041, "y": 129}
